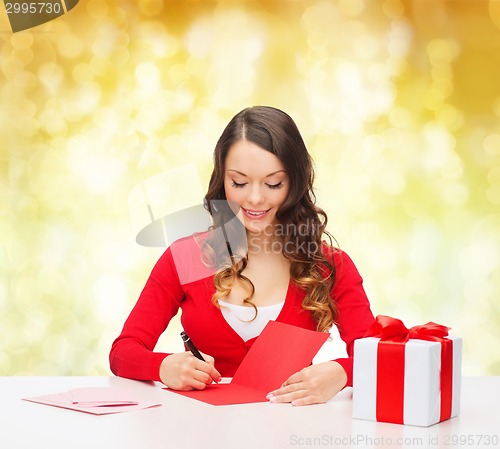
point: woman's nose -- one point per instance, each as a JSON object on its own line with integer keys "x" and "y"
{"x": 256, "y": 195}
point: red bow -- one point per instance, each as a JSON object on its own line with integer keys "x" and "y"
{"x": 392, "y": 329}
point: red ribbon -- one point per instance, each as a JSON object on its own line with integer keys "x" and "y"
{"x": 393, "y": 336}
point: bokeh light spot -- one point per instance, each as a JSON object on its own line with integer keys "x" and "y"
{"x": 393, "y": 9}
{"x": 491, "y": 144}
{"x": 150, "y": 7}
{"x": 70, "y": 47}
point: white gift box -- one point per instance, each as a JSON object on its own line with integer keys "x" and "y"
{"x": 421, "y": 383}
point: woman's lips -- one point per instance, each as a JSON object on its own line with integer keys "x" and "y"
{"x": 255, "y": 214}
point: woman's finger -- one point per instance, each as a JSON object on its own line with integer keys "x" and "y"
{"x": 212, "y": 375}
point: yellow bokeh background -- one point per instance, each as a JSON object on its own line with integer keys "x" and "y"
{"x": 397, "y": 100}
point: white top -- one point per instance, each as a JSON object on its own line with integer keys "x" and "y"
{"x": 240, "y": 318}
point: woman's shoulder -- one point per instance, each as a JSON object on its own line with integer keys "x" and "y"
{"x": 330, "y": 251}
{"x": 187, "y": 257}
{"x": 337, "y": 256}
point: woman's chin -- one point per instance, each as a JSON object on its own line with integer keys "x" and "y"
{"x": 259, "y": 228}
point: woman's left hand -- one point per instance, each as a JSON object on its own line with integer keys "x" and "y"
{"x": 311, "y": 385}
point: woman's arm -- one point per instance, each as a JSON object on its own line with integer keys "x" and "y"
{"x": 132, "y": 353}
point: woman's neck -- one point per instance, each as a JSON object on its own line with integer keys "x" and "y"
{"x": 264, "y": 243}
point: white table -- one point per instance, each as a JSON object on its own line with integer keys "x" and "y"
{"x": 184, "y": 423}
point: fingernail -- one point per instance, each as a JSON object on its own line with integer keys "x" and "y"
{"x": 271, "y": 397}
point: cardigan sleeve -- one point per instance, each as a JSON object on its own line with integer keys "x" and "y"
{"x": 132, "y": 353}
{"x": 354, "y": 313}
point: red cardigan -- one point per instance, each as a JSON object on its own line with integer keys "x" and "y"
{"x": 132, "y": 354}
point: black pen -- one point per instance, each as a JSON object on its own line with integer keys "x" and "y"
{"x": 190, "y": 345}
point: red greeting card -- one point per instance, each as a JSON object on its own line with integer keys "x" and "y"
{"x": 280, "y": 351}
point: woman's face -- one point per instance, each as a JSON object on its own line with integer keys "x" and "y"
{"x": 256, "y": 181}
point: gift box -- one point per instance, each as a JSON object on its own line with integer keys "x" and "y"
{"x": 407, "y": 376}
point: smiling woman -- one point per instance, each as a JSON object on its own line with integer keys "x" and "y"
{"x": 263, "y": 169}
{"x": 263, "y": 180}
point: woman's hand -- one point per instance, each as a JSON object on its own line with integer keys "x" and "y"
{"x": 183, "y": 371}
{"x": 311, "y": 385}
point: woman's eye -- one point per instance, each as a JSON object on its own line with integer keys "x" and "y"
{"x": 275, "y": 186}
{"x": 238, "y": 185}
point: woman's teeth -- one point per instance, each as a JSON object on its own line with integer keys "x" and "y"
{"x": 256, "y": 214}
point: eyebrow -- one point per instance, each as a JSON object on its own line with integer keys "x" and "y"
{"x": 267, "y": 176}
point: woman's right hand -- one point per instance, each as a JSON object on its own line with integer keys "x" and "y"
{"x": 183, "y": 371}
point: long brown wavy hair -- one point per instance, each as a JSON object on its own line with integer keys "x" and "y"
{"x": 302, "y": 222}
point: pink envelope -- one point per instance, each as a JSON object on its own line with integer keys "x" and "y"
{"x": 100, "y": 397}
{"x": 97, "y": 401}
{"x": 280, "y": 351}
